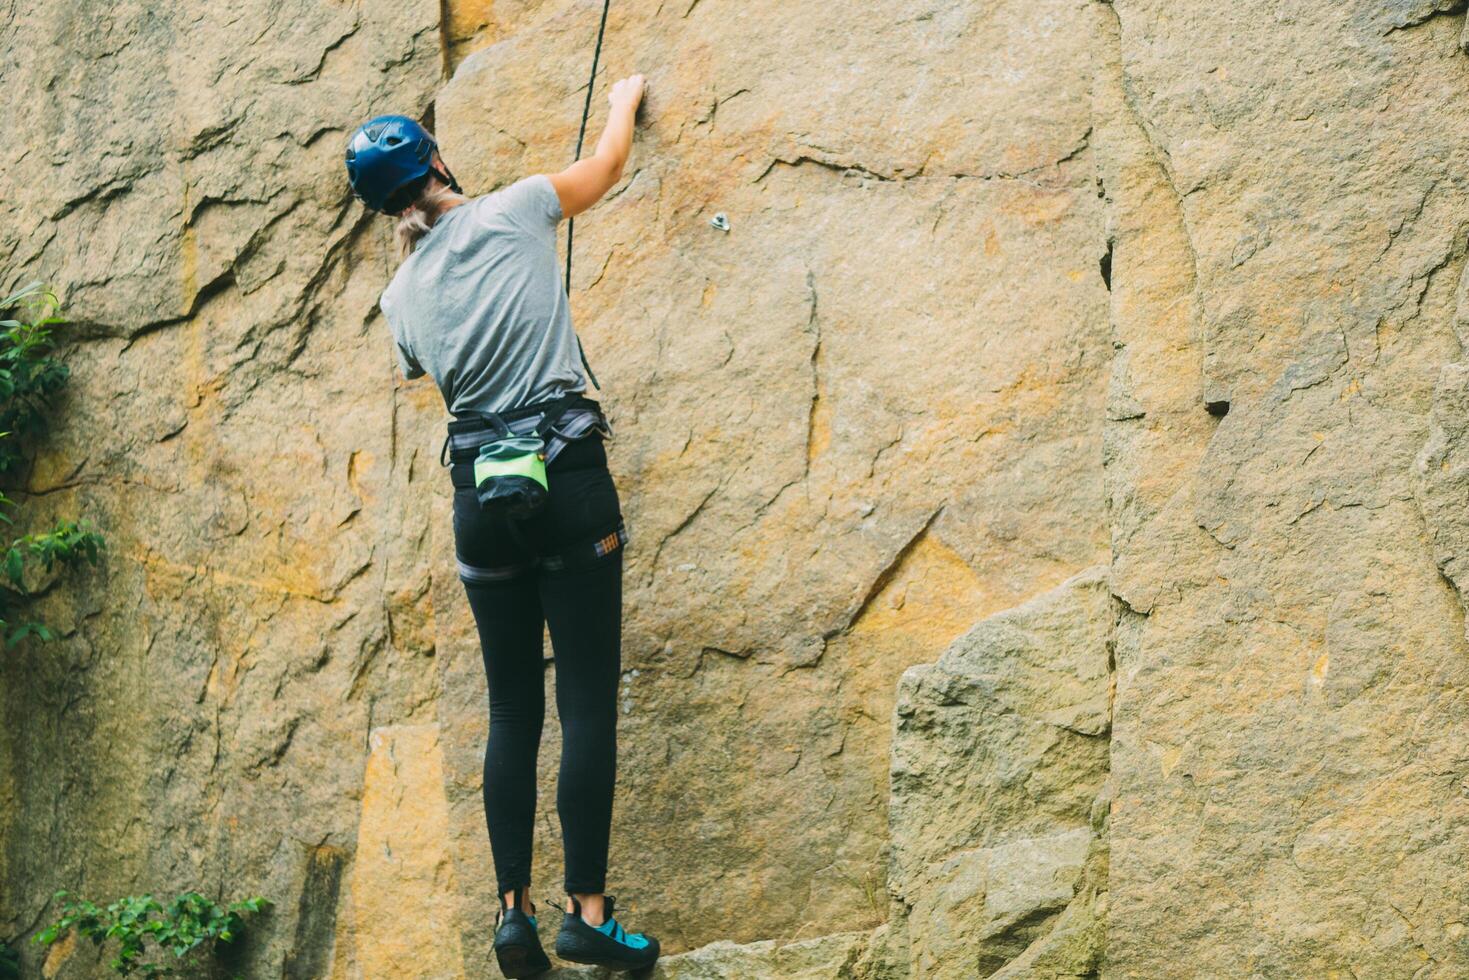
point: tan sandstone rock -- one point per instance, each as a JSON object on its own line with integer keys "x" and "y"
{"x": 999, "y": 756}
{"x": 1106, "y": 358}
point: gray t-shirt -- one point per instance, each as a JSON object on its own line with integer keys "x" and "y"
{"x": 479, "y": 304}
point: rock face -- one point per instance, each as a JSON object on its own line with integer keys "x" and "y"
{"x": 999, "y": 762}
{"x": 1104, "y": 359}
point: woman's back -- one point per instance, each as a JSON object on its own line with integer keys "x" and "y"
{"x": 479, "y": 304}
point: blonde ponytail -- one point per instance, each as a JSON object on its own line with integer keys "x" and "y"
{"x": 418, "y": 218}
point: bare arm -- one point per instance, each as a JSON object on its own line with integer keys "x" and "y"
{"x": 583, "y": 183}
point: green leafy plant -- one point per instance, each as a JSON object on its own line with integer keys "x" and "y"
{"x": 30, "y": 378}
{"x": 189, "y": 922}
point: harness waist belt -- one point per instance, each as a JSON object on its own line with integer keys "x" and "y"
{"x": 556, "y": 422}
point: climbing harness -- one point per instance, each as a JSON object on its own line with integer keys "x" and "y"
{"x": 586, "y": 111}
{"x": 504, "y": 455}
{"x": 555, "y": 422}
{"x": 488, "y": 452}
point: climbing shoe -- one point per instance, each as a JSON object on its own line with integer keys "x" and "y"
{"x": 518, "y": 945}
{"x": 607, "y": 945}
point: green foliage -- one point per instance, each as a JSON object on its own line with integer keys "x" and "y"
{"x": 30, "y": 378}
{"x": 9, "y": 962}
{"x": 185, "y": 924}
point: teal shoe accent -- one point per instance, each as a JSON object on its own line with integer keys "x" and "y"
{"x": 607, "y": 945}
{"x": 612, "y": 929}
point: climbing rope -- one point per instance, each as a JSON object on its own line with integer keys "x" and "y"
{"x": 581, "y": 136}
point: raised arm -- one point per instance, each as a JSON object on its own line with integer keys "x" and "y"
{"x": 583, "y": 183}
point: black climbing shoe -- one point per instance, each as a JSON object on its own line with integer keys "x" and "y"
{"x": 607, "y": 945}
{"x": 518, "y": 945}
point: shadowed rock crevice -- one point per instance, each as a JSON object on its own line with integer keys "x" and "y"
{"x": 316, "y": 915}
{"x": 1442, "y": 485}
{"x": 845, "y": 167}
{"x": 1406, "y": 16}
{"x": 889, "y": 571}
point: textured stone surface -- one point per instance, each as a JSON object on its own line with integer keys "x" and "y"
{"x": 999, "y": 757}
{"x": 1047, "y": 335}
{"x": 402, "y": 861}
{"x": 827, "y": 479}
{"x": 232, "y": 428}
{"x": 1291, "y": 676}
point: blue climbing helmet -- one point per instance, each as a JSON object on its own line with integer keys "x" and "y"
{"x": 388, "y": 154}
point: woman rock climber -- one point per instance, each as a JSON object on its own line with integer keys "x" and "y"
{"x": 477, "y": 304}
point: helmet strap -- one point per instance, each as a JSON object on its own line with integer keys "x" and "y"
{"x": 447, "y": 176}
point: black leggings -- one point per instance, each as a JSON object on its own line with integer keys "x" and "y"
{"x": 513, "y": 598}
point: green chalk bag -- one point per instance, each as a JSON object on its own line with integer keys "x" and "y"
{"x": 510, "y": 474}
